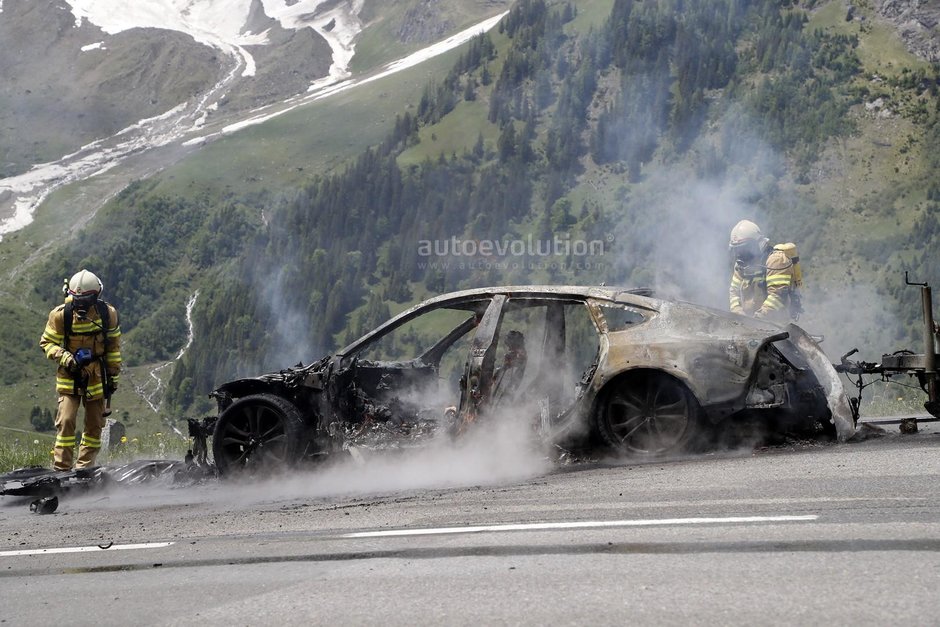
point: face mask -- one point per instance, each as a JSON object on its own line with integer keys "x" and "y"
{"x": 746, "y": 252}
{"x": 85, "y": 302}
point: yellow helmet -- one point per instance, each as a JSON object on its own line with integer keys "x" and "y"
{"x": 743, "y": 232}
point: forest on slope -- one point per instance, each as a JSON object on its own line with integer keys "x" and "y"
{"x": 649, "y": 130}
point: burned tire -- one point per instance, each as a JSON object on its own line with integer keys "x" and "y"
{"x": 649, "y": 414}
{"x": 258, "y": 434}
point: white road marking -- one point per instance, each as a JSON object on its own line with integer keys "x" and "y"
{"x": 585, "y": 524}
{"x": 85, "y": 549}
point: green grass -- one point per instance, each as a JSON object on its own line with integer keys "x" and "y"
{"x": 286, "y": 152}
{"x": 19, "y": 398}
{"x": 873, "y": 180}
{"x": 455, "y": 134}
{"x": 830, "y": 14}
{"x": 155, "y": 445}
{"x": 379, "y": 43}
{"x": 891, "y": 399}
{"x": 127, "y": 406}
{"x": 591, "y": 14}
{"x": 880, "y": 49}
{"x": 23, "y": 449}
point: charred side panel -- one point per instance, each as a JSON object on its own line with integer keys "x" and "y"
{"x": 716, "y": 372}
{"x": 829, "y": 383}
{"x": 301, "y": 385}
{"x": 727, "y": 362}
{"x": 232, "y": 390}
{"x": 772, "y": 380}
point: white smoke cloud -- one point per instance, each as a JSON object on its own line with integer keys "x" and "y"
{"x": 502, "y": 449}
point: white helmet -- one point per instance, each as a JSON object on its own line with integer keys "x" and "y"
{"x": 743, "y": 232}
{"x": 84, "y": 285}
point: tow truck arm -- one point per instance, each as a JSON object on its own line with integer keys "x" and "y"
{"x": 922, "y": 366}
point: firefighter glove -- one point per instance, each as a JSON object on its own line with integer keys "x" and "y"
{"x": 67, "y": 361}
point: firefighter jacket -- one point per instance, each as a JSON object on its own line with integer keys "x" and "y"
{"x": 763, "y": 290}
{"x": 86, "y": 332}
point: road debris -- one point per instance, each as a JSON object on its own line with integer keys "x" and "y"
{"x": 47, "y": 505}
{"x": 49, "y": 484}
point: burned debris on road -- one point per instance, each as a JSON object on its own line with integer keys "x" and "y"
{"x": 43, "y": 482}
{"x": 37, "y": 481}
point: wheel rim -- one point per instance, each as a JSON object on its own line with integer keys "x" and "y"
{"x": 649, "y": 418}
{"x": 255, "y": 437}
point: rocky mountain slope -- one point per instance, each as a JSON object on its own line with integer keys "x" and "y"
{"x": 916, "y": 21}
{"x": 76, "y": 71}
{"x": 65, "y": 85}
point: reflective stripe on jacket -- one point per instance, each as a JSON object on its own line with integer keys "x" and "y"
{"x": 762, "y": 290}
{"x": 86, "y": 333}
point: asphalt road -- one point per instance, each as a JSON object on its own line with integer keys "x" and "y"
{"x": 803, "y": 534}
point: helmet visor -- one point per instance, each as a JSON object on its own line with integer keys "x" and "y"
{"x": 85, "y": 301}
{"x": 746, "y": 250}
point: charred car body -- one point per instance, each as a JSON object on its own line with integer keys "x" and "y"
{"x": 586, "y": 366}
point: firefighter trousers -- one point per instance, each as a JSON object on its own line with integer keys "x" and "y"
{"x": 65, "y": 419}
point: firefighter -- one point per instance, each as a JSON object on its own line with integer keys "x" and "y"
{"x": 83, "y": 337}
{"x": 762, "y": 283}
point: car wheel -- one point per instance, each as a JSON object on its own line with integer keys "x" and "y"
{"x": 257, "y": 434}
{"x": 649, "y": 414}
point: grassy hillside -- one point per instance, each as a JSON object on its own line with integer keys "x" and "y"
{"x": 874, "y": 187}
{"x": 635, "y": 124}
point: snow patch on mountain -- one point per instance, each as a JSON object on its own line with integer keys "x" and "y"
{"x": 223, "y": 24}
{"x": 338, "y": 25}
{"x": 318, "y": 92}
{"x": 21, "y": 195}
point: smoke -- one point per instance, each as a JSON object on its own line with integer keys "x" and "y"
{"x": 500, "y": 450}
{"x": 673, "y": 225}
{"x": 283, "y": 313}
{"x": 673, "y": 215}
{"x": 680, "y": 248}
{"x": 497, "y": 450}
{"x": 288, "y": 332}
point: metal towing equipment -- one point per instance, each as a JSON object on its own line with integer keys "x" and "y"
{"x": 922, "y": 366}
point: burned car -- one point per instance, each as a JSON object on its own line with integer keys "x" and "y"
{"x": 585, "y": 366}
